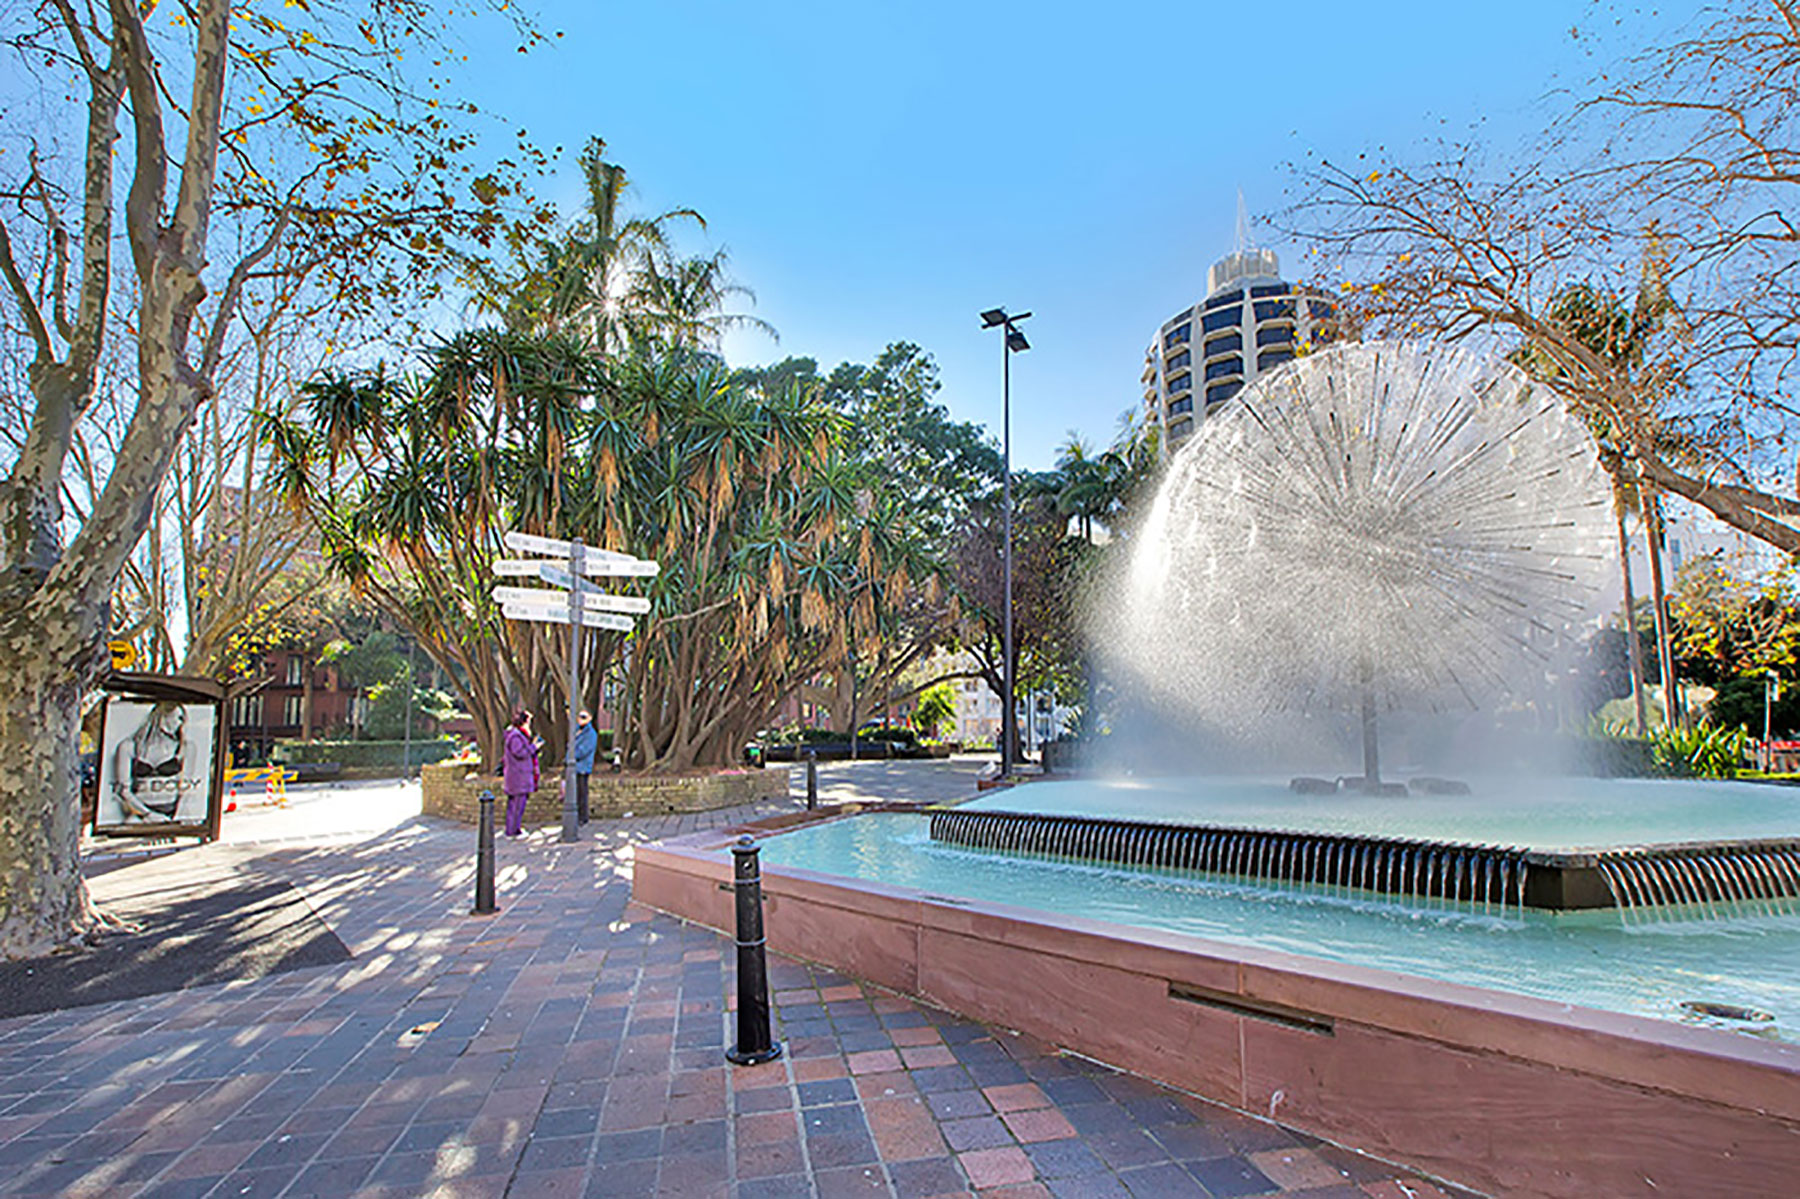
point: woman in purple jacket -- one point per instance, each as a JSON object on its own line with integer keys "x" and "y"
{"x": 518, "y": 770}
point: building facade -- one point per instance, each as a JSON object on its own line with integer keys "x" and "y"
{"x": 296, "y": 699}
{"x": 1250, "y": 323}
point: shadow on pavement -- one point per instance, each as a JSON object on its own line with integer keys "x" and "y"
{"x": 191, "y": 922}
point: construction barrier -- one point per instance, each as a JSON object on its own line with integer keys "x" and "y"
{"x": 274, "y": 780}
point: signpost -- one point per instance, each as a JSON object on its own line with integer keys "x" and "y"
{"x": 567, "y": 564}
{"x": 534, "y": 568}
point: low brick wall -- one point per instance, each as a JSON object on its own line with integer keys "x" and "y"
{"x": 453, "y": 791}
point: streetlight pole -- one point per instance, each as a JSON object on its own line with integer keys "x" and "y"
{"x": 1013, "y": 342}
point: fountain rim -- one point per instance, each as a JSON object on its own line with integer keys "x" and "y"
{"x": 1574, "y": 856}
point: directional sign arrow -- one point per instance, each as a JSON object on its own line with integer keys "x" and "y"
{"x": 560, "y": 615}
{"x": 594, "y": 601}
{"x": 531, "y": 543}
{"x": 533, "y": 568}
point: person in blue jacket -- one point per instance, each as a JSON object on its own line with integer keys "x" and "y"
{"x": 587, "y": 740}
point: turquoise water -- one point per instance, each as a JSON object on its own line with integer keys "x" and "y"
{"x": 1547, "y": 814}
{"x": 1647, "y": 965}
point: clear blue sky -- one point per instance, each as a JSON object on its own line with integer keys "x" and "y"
{"x": 883, "y": 172}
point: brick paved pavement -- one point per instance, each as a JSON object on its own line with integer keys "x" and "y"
{"x": 573, "y": 1045}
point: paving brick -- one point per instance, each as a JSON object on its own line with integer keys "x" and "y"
{"x": 1296, "y": 1169}
{"x": 996, "y": 1167}
{"x": 978, "y": 1132}
{"x": 852, "y": 1183}
{"x": 579, "y": 1051}
{"x": 829, "y": 1150}
{"x": 1038, "y": 1124}
{"x": 927, "y": 1177}
{"x": 1228, "y": 1177}
{"x": 765, "y": 1128}
{"x": 879, "y": 1061}
{"x": 770, "y": 1158}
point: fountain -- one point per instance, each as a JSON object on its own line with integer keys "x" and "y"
{"x": 1395, "y": 525}
{"x": 1380, "y": 527}
{"x": 1440, "y": 970}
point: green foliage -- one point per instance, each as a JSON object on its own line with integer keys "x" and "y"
{"x": 1699, "y": 752}
{"x": 1726, "y": 625}
{"x": 880, "y": 733}
{"x": 388, "y": 709}
{"x": 935, "y": 710}
{"x": 373, "y": 662}
{"x": 1739, "y": 704}
{"x": 365, "y": 753}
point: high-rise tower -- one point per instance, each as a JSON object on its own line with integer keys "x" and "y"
{"x": 1250, "y": 323}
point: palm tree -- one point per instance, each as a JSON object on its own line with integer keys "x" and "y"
{"x": 679, "y": 303}
{"x": 776, "y": 559}
{"x": 1598, "y": 323}
{"x": 587, "y": 281}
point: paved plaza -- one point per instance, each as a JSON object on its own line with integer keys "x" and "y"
{"x": 572, "y": 1045}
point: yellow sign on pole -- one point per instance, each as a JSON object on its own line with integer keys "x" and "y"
{"x": 124, "y": 654}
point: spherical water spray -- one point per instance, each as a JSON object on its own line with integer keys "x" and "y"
{"x": 1378, "y": 525}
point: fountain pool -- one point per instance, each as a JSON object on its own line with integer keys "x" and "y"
{"x": 1513, "y": 1051}
{"x": 1741, "y": 955}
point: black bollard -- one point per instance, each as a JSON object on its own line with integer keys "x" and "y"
{"x": 754, "y": 1044}
{"x": 812, "y": 779}
{"x": 484, "y": 857}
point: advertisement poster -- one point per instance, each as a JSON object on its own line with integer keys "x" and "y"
{"x": 156, "y": 764}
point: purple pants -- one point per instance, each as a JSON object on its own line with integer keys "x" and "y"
{"x": 515, "y": 813}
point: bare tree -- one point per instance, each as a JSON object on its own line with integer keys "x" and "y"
{"x": 259, "y": 145}
{"x": 1686, "y": 157}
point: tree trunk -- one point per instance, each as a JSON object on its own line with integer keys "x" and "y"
{"x": 1635, "y": 650}
{"x": 43, "y": 900}
{"x": 1674, "y": 713}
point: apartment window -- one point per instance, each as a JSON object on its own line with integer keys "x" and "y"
{"x": 1274, "y": 310}
{"x": 1269, "y": 289}
{"x": 1225, "y": 366}
{"x": 1177, "y": 336}
{"x": 1181, "y": 428}
{"x": 1181, "y": 384}
{"x": 296, "y": 671}
{"x": 1224, "y": 343}
{"x": 1269, "y": 359}
{"x": 1230, "y": 297}
{"x": 1225, "y": 318}
{"x": 246, "y": 709}
{"x": 292, "y": 709}
{"x": 1185, "y": 404}
{"x": 1275, "y": 335}
{"x": 1321, "y": 310}
{"x": 1179, "y": 360}
{"x": 1220, "y": 392}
